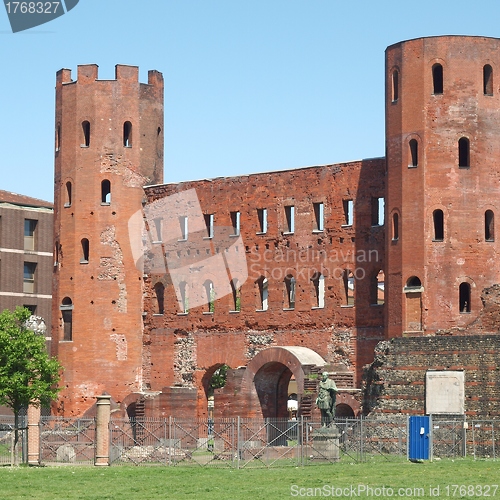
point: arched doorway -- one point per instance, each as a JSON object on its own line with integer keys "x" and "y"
{"x": 271, "y": 384}
{"x": 343, "y": 410}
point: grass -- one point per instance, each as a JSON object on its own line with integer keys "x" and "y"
{"x": 118, "y": 482}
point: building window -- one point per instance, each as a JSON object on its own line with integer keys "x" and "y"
{"x": 438, "y": 222}
{"x": 319, "y": 215}
{"x": 290, "y": 292}
{"x": 210, "y": 295}
{"x": 489, "y": 225}
{"x": 31, "y": 308}
{"x": 183, "y": 222}
{"x": 378, "y": 205}
{"x": 29, "y": 234}
{"x": 86, "y": 134}
{"x": 318, "y": 281}
{"x": 58, "y": 137}
{"x": 487, "y": 80}
{"x": 463, "y": 152}
{"x": 413, "y": 153}
{"x": 29, "y": 277}
{"x": 395, "y": 227}
{"x": 159, "y": 289}
{"x": 184, "y": 297}
{"x": 290, "y": 219}
{"x": 127, "y": 134}
{"x": 68, "y": 193}
{"x": 413, "y": 282}
{"x": 158, "y": 229}
{"x": 236, "y": 291}
{"x": 66, "y": 308}
{"x": 105, "y": 192}
{"x": 378, "y": 288}
{"x": 395, "y": 85}
{"x": 209, "y": 223}
{"x": 263, "y": 285}
{"x": 348, "y": 212}
{"x": 348, "y": 278}
{"x": 464, "y": 297}
{"x": 262, "y": 216}
{"x": 437, "y": 79}
{"x": 85, "y": 251}
{"x": 235, "y": 222}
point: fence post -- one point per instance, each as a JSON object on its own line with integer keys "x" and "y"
{"x": 102, "y": 429}
{"x": 34, "y": 414}
{"x": 238, "y": 443}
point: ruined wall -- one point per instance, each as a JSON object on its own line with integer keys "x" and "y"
{"x": 182, "y": 347}
{"x": 108, "y": 145}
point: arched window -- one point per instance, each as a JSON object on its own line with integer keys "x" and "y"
{"x": 395, "y": 226}
{"x": 318, "y": 281}
{"x": 66, "y": 308}
{"x": 413, "y": 153}
{"x": 413, "y": 282}
{"x": 489, "y": 225}
{"x": 263, "y": 286}
{"x": 127, "y": 134}
{"x": 438, "y": 222}
{"x": 67, "y": 203}
{"x": 395, "y": 85}
{"x": 210, "y": 295}
{"x": 85, "y": 251}
{"x": 86, "y": 134}
{"x": 236, "y": 290}
{"x": 105, "y": 192}
{"x": 377, "y": 288}
{"x": 463, "y": 152}
{"x": 184, "y": 297}
{"x": 159, "y": 289}
{"x": 437, "y": 79}
{"x": 290, "y": 292}
{"x": 487, "y": 80}
{"x": 464, "y": 297}
{"x": 348, "y": 278}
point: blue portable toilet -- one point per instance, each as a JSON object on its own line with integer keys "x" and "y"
{"x": 419, "y": 437}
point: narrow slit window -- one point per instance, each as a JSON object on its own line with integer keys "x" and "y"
{"x": 487, "y": 80}
{"x": 236, "y": 291}
{"x": 86, "y": 134}
{"x": 210, "y": 295}
{"x": 290, "y": 219}
{"x": 318, "y": 282}
{"x": 290, "y": 292}
{"x": 209, "y": 223}
{"x": 183, "y": 222}
{"x": 158, "y": 229}
{"x": 395, "y": 85}
{"x": 127, "y": 134}
{"x": 464, "y": 297}
{"x": 58, "y": 137}
{"x": 413, "y": 153}
{"x": 348, "y": 212}
{"x": 85, "y": 251}
{"x": 395, "y": 226}
{"x": 348, "y": 278}
{"x": 489, "y": 225}
{"x": 235, "y": 222}
{"x": 184, "y": 297}
{"x": 159, "y": 290}
{"x": 262, "y": 216}
{"x": 319, "y": 214}
{"x": 67, "y": 202}
{"x": 378, "y": 205}
{"x": 437, "y": 79}
{"x": 463, "y": 152}
{"x": 438, "y": 222}
{"x": 377, "y": 288}
{"x": 105, "y": 192}
{"x": 66, "y": 308}
{"x": 263, "y": 285}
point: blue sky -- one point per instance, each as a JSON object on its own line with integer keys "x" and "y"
{"x": 250, "y": 86}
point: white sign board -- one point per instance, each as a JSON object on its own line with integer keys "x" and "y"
{"x": 444, "y": 392}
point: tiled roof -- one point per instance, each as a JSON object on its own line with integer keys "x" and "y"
{"x": 22, "y": 200}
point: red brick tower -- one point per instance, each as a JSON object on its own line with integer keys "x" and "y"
{"x": 109, "y": 144}
{"x": 443, "y": 182}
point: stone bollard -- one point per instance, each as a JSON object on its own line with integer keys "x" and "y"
{"x": 102, "y": 429}
{"x": 34, "y": 413}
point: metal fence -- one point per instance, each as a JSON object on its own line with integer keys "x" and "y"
{"x": 246, "y": 443}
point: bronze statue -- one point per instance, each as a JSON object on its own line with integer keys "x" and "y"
{"x": 327, "y": 395}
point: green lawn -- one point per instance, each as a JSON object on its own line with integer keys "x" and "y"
{"x": 138, "y": 483}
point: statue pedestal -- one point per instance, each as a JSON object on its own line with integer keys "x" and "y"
{"x": 326, "y": 443}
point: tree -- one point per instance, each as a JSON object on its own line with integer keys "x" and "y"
{"x": 28, "y": 376}
{"x": 218, "y": 379}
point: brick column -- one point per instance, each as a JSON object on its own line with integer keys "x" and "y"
{"x": 34, "y": 435}
{"x": 102, "y": 429}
